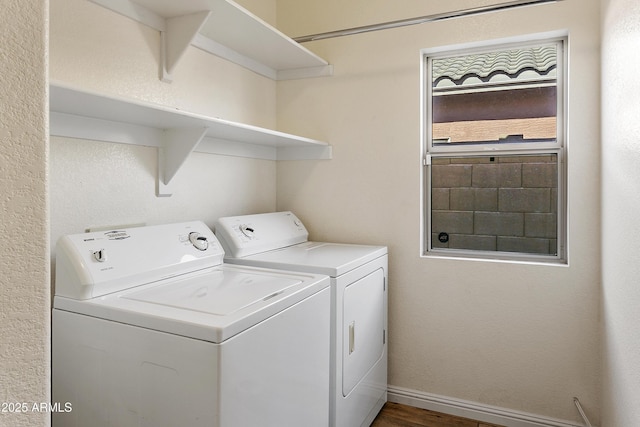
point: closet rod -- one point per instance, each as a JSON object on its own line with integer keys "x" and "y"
{"x": 422, "y": 19}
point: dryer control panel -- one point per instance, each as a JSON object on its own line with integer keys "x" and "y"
{"x": 93, "y": 264}
{"x": 246, "y": 235}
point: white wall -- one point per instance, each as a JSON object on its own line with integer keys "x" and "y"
{"x": 518, "y": 336}
{"x": 620, "y": 206}
{"x": 24, "y": 248}
{"x": 97, "y": 184}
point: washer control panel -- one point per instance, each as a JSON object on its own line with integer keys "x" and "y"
{"x": 245, "y": 235}
{"x": 97, "y": 263}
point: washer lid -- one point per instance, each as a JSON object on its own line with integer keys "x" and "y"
{"x": 219, "y": 292}
{"x": 211, "y": 305}
{"x": 333, "y": 259}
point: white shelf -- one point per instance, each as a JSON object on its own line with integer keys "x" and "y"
{"x": 225, "y": 29}
{"x": 81, "y": 114}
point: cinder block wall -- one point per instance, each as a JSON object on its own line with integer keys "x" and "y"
{"x": 505, "y": 203}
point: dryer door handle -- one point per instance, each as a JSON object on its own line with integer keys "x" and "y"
{"x": 352, "y": 337}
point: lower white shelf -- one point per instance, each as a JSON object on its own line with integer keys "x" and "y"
{"x": 80, "y": 114}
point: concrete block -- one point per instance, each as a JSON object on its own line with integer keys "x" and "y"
{"x": 452, "y": 222}
{"x": 540, "y": 175}
{"x": 541, "y": 225}
{"x": 471, "y": 160}
{"x": 523, "y": 245}
{"x": 440, "y": 160}
{"x": 486, "y": 199}
{"x": 474, "y": 199}
{"x": 499, "y": 223}
{"x": 446, "y": 176}
{"x": 524, "y": 200}
{"x": 475, "y": 243}
{"x": 496, "y": 175}
{"x": 486, "y": 175}
{"x": 440, "y": 199}
{"x": 527, "y": 159}
{"x": 463, "y": 199}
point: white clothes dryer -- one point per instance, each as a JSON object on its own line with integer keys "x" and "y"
{"x": 150, "y": 328}
{"x": 358, "y": 302}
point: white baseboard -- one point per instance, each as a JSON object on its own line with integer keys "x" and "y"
{"x": 473, "y": 410}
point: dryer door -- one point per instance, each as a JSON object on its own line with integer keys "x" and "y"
{"x": 362, "y": 328}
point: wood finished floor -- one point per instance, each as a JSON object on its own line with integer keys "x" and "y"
{"x": 397, "y": 415}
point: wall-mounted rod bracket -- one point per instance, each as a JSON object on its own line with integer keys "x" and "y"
{"x": 422, "y": 20}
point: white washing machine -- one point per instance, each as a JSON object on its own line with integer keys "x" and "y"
{"x": 150, "y": 328}
{"x": 358, "y": 302}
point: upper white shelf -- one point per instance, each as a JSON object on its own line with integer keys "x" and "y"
{"x": 80, "y": 114}
{"x": 225, "y": 29}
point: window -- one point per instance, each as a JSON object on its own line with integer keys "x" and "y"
{"x": 494, "y": 153}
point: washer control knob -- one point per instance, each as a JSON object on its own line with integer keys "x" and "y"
{"x": 198, "y": 241}
{"x": 100, "y": 255}
{"x": 247, "y": 231}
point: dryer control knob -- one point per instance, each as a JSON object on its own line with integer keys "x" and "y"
{"x": 198, "y": 241}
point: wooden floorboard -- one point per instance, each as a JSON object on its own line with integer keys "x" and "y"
{"x": 397, "y": 415}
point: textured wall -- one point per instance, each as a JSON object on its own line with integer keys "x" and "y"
{"x": 24, "y": 249}
{"x": 620, "y": 207}
{"x": 515, "y": 335}
{"x": 97, "y": 184}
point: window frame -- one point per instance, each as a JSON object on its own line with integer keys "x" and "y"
{"x": 558, "y": 147}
